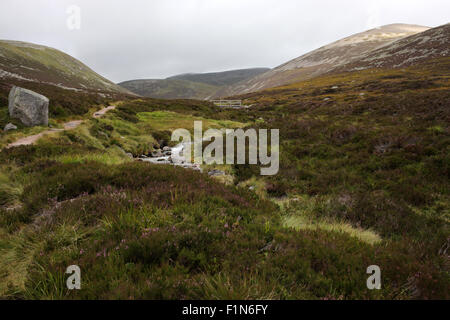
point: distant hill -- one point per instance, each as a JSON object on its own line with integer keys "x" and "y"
{"x": 190, "y": 85}
{"x": 221, "y": 78}
{"x": 325, "y": 59}
{"x": 169, "y": 88}
{"x": 44, "y": 65}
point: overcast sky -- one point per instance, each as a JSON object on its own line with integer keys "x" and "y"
{"x": 132, "y": 39}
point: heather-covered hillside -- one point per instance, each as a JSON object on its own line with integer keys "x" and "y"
{"x": 44, "y": 65}
{"x": 363, "y": 180}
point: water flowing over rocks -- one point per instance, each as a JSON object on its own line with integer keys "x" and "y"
{"x": 171, "y": 156}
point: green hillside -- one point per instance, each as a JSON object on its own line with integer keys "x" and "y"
{"x": 36, "y": 63}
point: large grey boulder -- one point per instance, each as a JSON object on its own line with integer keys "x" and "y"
{"x": 10, "y": 127}
{"x": 28, "y": 106}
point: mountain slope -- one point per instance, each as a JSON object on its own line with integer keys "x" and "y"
{"x": 190, "y": 85}
{"x": 325, "y": 59}
{"x": 45, "y": 65}
{"x": 433, "y": 43}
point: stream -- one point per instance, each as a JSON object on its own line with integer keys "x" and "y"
{"x": 174, "y": 156}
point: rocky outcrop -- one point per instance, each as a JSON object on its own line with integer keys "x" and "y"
{"x": 9, "y": 127}
{"x": 28, "y": 106}
{"x": 157, "y": 154}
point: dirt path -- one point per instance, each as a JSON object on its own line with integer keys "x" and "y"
{"x": 102, "y": 112}
{"x": 67, "y": 126}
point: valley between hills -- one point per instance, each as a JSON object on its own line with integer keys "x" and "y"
{"x": 363, "y": 179}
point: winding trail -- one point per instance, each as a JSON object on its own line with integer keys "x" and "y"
{"x": 66, "y": 126}
{"x": 102, "y": 112}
